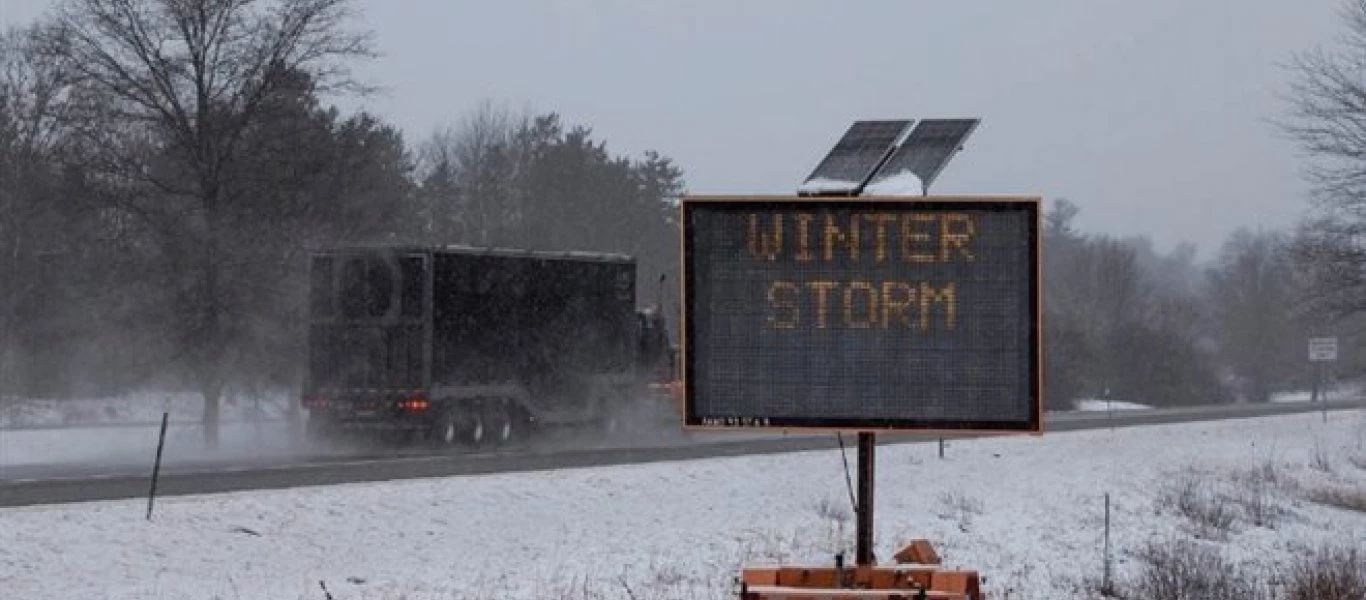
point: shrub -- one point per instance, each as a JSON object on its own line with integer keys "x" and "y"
{"x": 1178, "y": 569}
{"x": 1191, "y": 496}
{"x": 1340, "y": 497}
{"x": 1257, "y": 493}
{"x": 1327, "y": 574}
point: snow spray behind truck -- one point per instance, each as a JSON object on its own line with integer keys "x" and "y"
{"x": 466, "y": 346}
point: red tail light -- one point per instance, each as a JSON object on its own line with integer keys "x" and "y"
{"x": 415, "y": 404}
{"x": 314, "y": 401}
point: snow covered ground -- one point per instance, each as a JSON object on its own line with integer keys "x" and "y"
{"x": 133, "y": 408}
{"x": 821, "y": 184}
{"x": 1101, "y": 405}
{"x": 137, "y": 445}
{"x": 1338, "y": 391}
{"x": 1026, "y": 512}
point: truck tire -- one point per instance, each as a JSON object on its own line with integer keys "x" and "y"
{"x": 477, "y": 431}
{"x": 609, "y": 421}
{"x": 500, "y": 422}
{"x": 446, "y": 431}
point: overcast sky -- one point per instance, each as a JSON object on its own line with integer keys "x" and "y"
{"x": 1150, "y": 115}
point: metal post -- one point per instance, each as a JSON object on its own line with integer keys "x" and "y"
{"x": 1314, "y": 390}
{"x": 1105, "y": 582}
{"x": 156, "y": 466}
{"x": 1323, "y": 385}
{"x": 864, "y": 534}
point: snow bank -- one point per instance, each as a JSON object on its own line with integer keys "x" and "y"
{"x": 820, "y": 184}
{"x": 1024, "y": 511}
{"x": 902, "y": 183}
{"x": 136, "y": 446}
{"x": 1338, "y": 391}
{"x": 1101, "y": 405}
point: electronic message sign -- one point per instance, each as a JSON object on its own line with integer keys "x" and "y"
{"x": 867, "y": 314}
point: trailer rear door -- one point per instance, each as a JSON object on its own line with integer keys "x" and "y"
{"x": 368, "y": 323}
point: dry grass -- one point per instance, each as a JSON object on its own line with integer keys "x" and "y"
{"x": 1214, "y": 504}
{"x": 834, "y": 510}
{"x": 1180, "y": 569}
{"x": 1327, "y": 574}
{"x": 1192, "y": 495}
{"x": 959, "y": 508}
{"x": 1257, "y": 492}
{"x": 836, "y": 528}
{"x": 1319, "y": 460}
{"x": 1358, "y": 461}
{"x": 1356, "y": 456}
{"x": 1348, "y": 498}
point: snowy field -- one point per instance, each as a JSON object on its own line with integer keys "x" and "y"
{"x": 137, "y": 445}
{"x": 1337, "y": 391}
{"x": 134, "y": 408}
{"x": 1346, "y": 389}
{"x": 1026, "y": 512}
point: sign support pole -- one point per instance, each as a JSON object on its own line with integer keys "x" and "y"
{"x": 863, "y": 543}
{"x": 1318, "y": 379}
{"x": 1323, "y": 385}
{"x": 1322, "y": 350}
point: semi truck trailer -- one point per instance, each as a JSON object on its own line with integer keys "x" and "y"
{"x": 477, "y": 347}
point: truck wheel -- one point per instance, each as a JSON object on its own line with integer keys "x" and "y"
{"x": 478, "y": 433}
{"x": 501, "y": 422}
{"x": 446, "y": 432}
{"x": 609, "y": 423}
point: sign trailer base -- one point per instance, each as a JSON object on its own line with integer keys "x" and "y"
{"x": 915, "y": 574}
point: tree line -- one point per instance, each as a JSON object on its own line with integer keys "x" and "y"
{"x": 166, "y": 164}
{"x": 1125, "y": 322}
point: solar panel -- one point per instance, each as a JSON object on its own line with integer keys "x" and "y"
{"x": 855, "y": 156}
{"x": 920, "y": 159}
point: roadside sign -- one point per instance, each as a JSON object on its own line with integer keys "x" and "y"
{"x": 867, "y": 314}
{"x": 1323, "y": 349}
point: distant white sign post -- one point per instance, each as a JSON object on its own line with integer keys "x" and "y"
{"x": 1322, "y": 350}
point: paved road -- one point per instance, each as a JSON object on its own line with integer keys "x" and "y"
{"x": 324, "y": 469}
{"x": 98, "y": 453}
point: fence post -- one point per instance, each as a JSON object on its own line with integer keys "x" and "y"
{"x": 1107, "y": 587}
{"x": 156, "y": 466}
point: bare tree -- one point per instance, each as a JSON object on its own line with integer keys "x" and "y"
{"x": 1122, "y": 319}
{"x": 505, "y": 177}
{"x": 1328, "y": 120}
{"x": 31, "y": 120}
{"x": 1250, "y": 289}
{"x": 165, "y": 92}
{"x": 472, "y": 176}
